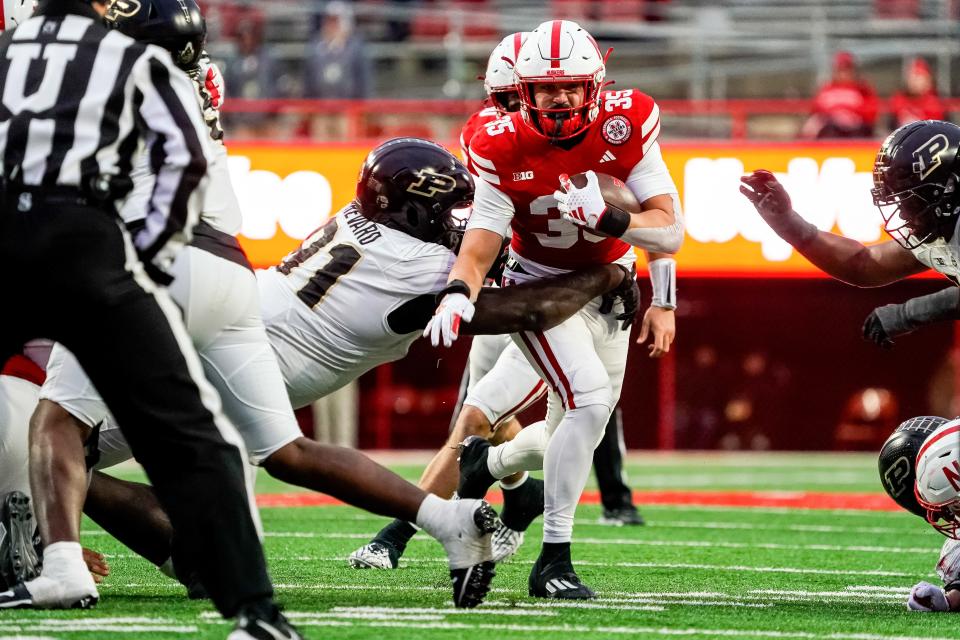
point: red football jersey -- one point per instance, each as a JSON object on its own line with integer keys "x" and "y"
{"x": 479, "y": 119}
{"x": 525, "y": 166}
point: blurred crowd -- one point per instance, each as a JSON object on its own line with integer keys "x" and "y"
{"x": 846, "y": 106}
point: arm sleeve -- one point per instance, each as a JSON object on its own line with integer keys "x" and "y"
{"x": 178, "y": 147}
{"x": 492, "y": 209}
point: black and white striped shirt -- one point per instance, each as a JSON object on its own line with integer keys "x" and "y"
{"x": 78, "y": 101}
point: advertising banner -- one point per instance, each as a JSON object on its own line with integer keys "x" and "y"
{"x": 287, "y": 190}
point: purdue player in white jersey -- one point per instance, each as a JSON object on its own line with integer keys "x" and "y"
{"x": 916, "y": 179}
{"x": 356, "y": 294}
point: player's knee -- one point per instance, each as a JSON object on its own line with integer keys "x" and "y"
{"x": 471, "y": 422}
{"x": 50, "y": 417}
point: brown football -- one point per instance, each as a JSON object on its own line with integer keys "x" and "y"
{"x": 615, "y": 192}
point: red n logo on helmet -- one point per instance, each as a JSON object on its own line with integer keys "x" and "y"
{"x": 953, "y": 475}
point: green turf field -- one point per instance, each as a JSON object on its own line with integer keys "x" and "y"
{"x": 692, "y": 572}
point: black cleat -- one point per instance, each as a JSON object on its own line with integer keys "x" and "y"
{"x": 523, "y": 505}
{"x": 19, "y": 559}
{"x": 475, "y": 478}
{"x": 624, "y": 516}
{"x": 471, "y": 585}
{"x": 558, "y": 580}
{"x": 259, "y": 623}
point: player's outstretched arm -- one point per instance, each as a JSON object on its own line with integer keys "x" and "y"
{"x": 541, "y": 304}
{"x": 837, "y": 256}
{"x": 893, "y": 320}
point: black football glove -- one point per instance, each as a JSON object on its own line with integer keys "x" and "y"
{"x": 873, "y": 329}
{"x": 628, "y": 292}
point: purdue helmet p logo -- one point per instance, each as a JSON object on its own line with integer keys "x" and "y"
{"x": 897, "y": 476}
{"x": 927, "y": 158}
{"x": 122, "y": 9}
{"x": 430, "y": 183}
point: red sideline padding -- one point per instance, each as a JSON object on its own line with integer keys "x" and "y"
{"x": 782, "y": 499}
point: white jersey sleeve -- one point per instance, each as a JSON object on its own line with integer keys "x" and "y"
{"x": 492, "y": 209}
{"x": 650, "y": 177}
{"x": 220, "y": 208}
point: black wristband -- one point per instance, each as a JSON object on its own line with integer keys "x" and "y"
{"x": 614, "y": 222}
{"x": 454, "y": 286}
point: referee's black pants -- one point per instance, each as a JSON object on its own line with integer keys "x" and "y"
{"x": 69, "y": 275}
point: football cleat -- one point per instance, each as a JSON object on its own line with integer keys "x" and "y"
{"x": 475, "y": 477}
{"x": 558, "y": 580}
{"x": 19, "y": 559}
{"x": 505, "y": 542}
{"x": 46, "y": 593}
{"x": 469, "y": 553}
{"x": 628, "y": 516}
{"x": 256, "y": 624}
{"x": 376, "y": 554}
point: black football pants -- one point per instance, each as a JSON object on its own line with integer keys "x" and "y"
{"x": 64, "y": 278}
{"x": 608, "y": 465}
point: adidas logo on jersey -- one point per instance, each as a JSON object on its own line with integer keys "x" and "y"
{"x": 607, "y": 157}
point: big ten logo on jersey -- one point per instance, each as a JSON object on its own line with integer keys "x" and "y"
{"x": 429, "y": 183}
{"x": 560, "y": 233}
{"x": 500, "y": 125}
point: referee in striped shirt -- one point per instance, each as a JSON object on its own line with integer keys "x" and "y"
{"x": 76, "y": 102}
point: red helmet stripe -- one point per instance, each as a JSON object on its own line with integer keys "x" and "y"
{"x": 555, "y": 44}
{"x": 517, "y": 41}
{"x": 939, "y": 436}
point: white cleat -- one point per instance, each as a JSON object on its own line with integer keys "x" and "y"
{"x": 46, "y": 593}
{"x": 469, "y": 551}
{"x": 373, "y": 555}
{"x": 505, "y": 542}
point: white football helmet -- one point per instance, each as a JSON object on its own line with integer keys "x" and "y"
{"x": 498, "y": 81}
{"x": 16, "y": 12}
{"x": 560, "y": 52}
{"x": 938, "y": 478}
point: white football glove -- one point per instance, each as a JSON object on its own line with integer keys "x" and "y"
{"x": 208, "y": 81}
{"x": 445, "y": 323}
{"x": 584, "y": 207}
{"x": 927, "y": 597}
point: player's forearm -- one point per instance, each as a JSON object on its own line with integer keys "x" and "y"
{"x": 540, "y": 304}
{"x": 851, "y": 261}
{"x": 657, "y": 228}
{"x": 477, "y": 252}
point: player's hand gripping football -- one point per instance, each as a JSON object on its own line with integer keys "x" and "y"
{"x": 583, "y": 207}
{"x": 454, "y": 308}
{"x": 662, "y": 324}
{"x": 628, "y": 292}
{"x": 927, "y": 597}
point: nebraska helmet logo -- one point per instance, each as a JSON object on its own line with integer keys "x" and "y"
{"x": 953, "y": 475}
{"x": 926, "y": 159}
{"x": 896, "y": 476}
{"x": 430, "y": 183}
{"x": 616, "y": 129}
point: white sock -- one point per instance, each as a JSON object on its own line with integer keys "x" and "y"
{"x": 435, "y": 517}
{"x": 507, "y": 486}
{"x": 566, "y": 467}
{"x": 63, "y": 561}
{"x": 523, "y": 453}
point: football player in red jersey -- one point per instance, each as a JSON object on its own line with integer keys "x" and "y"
{"x": 566, "y": 125}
